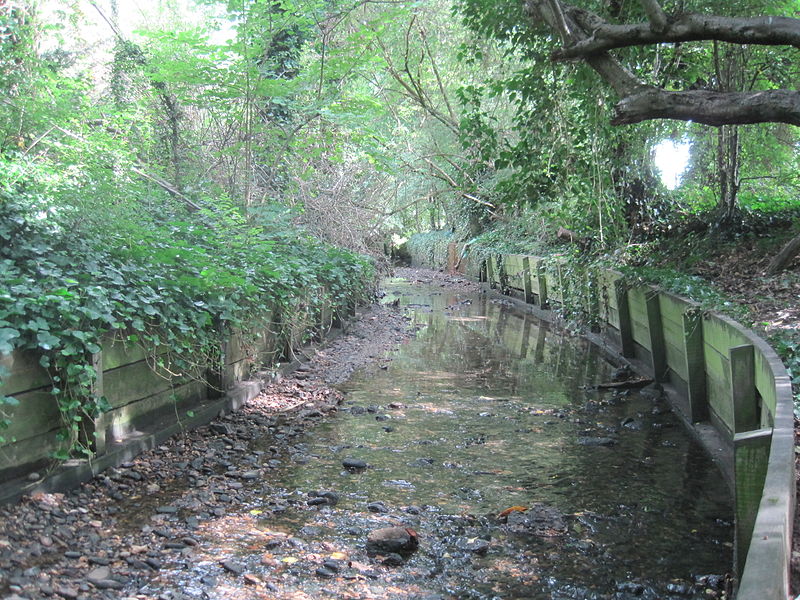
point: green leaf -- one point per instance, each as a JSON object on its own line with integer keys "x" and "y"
{"x": 7, "y": 336}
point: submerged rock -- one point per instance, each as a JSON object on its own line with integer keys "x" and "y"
{"x": 539, "y": 519}
{"x": 388, "y": 540}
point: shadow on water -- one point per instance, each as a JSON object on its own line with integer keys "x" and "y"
{"x": 485, "y": 410}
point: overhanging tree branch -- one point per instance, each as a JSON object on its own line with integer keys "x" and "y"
{"x": 587, "y": 36}
{"x": 762, "y": 31}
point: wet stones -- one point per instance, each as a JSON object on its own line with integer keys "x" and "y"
{"x": 392, "y": 540}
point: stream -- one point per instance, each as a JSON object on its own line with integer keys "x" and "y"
{"x": 485, "y": 439}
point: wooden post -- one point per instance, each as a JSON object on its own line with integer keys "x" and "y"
{"x": 625, "y": 330}
{"x": 743, "y": 388}
{"x": 695, "y": 365}
{"x": 490, "y": 272}
{"x": 526, "y": 279}
{"x": 751, "y": 455}
{"x": 99, "y": 425}
{"x": 658, "y": 351}
{"x": 542, "y": 280}
{"x": 501, "y": 272}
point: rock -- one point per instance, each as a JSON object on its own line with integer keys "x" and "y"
{"x": 325, "y": 573}
{"x": 539, "y": 519}
{"x": 221, "y": 429}
{"x": 333, "y": 565}
{"x": 393, "y": 559}
{"x": 232, "y": 566}
{"x": 623, "y": 373}
{"x": 377, "y": 507}
{"x": 70, "y": 593}
{"x": 167, "y": 510}
{"x": 387, "y": 540}
{"x": 251, "y": 579}
{"x": 474, "y": 545}
{"x": 596, "y": 441}
{"x": 354, "y": 464}
{"x": 98, "y": 574}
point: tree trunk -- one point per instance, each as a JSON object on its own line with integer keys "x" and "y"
{"x": 785, "y": 256}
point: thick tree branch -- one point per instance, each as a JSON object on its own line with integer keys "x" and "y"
{"x": 603, "y": 36}
{"x": 656, "y": 16}
{"x": 553, "y": 14}
{"x": 710, "y": 108}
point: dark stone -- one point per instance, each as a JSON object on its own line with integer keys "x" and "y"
{"x": 399, "y": 540}
{"x": 354, "y": 464}
{"x": 331, "y": 497}
{"x": 72, "y": 554}
{"x": 332, "y": 565}
{"x": 167, "y": 510}
{"x": 232, "y": 567}
{"x": 596, "y": 441}
{"x": 325, "y": 573}
{"x": 99, "y": 560}
{"x": 539, "y": 519}
{"x": 317, "y": 501}
{"x": 377, "y": 507}
{"x": 393, "y": 559}
{"x": 473, "y": 545}
{"x": 221, "y": 429}
{"x": 382, "y": 418}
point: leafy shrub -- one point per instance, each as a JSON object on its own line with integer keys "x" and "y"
{"x": 171, "y": 281}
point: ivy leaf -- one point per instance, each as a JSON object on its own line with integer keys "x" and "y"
{"x": 9, "y": 401}
{"x": 7, "y": 335}
{"x": 47, "y": 340}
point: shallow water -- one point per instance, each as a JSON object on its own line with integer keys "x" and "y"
{"x": 488, "y": 409}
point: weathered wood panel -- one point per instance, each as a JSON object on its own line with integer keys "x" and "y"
{"x": 24, "y": 373}
{"x": 172, "y": 403}
{"x": 515, "y": 271}
{"x": 718, "y": 385}
{"x": 36, "y": 413}
{"x": 637, "y": 303}
{"x": 672, "y": 311}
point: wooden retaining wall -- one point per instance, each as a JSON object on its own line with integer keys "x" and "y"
{"x": 146, "y": 400}
{"x": 718, "y": 373}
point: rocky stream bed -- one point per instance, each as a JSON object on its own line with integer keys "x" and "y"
{"x": 275, "y": 502}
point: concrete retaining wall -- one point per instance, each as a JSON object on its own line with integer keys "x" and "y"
{"x": 718, "y": 374}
